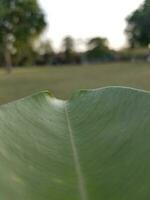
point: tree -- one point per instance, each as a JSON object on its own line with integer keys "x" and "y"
{"x": 44, "y": 52}
{"x": 21, "y": 21}
{"x": 138, "y": 28}
{"x": 68, "y": 49}
{"x": 97, "y": 48}
{"x": 68, "y": 44}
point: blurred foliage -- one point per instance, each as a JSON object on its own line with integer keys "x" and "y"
{"x": 138, "y": 29}
{"x": 68, "y": 44}
{"x": 43, "y": 53}
{"x": 98, "y": 49}
{"x": 68, "y": 53}
{"x": 21, "y": 21}
{"x": 136, "y": 54}
{"x": 68, "y": 49}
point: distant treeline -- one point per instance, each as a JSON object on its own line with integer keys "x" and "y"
{"x": 22, "y": 22}
{"x": 97, "y": 51}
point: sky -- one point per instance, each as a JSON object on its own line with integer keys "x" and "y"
{"x": 83, "y": 19}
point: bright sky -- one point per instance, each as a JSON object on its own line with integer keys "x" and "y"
{"x": 83, "y": 19}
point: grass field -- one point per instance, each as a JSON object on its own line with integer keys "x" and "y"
{"x": 63, "y": 81}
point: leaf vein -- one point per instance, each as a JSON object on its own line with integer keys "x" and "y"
{"x": 80, "y": 177}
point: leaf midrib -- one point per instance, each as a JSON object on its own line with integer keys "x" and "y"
{"x": 80, "y": 178}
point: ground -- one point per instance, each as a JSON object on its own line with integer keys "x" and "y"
{"x": 63, "y": 81}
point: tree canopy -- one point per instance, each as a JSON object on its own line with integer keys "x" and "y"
{"x": 97, "y": 48}
{"x": 20, "y": 22}
{"x": 68, "y": 46}
{"x": 138, "y": 28}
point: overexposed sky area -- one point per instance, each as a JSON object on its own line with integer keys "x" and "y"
{"x": 83, "y": 19}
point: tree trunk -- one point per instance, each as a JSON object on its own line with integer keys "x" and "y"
{"x": 8, "y": 61}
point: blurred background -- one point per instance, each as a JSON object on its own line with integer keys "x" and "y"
{"x": 63, "y": 46}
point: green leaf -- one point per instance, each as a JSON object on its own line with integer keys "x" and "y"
{"x": 96, "y": 146}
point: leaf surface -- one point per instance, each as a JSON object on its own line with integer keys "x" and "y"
{"x": 94, "y": 146}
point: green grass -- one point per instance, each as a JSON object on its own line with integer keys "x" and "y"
{"x": 63, "y": 81}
